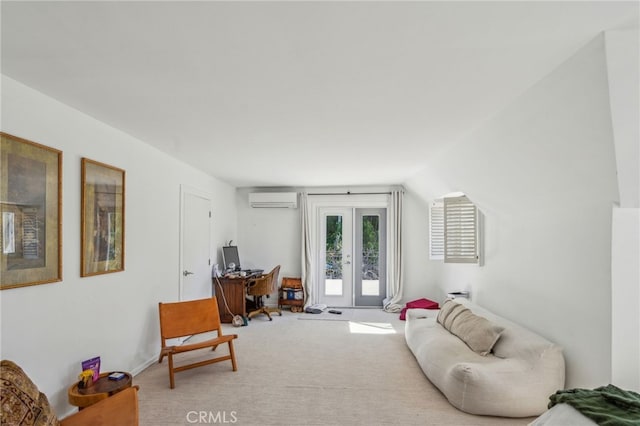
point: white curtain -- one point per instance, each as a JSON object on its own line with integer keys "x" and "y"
{"x": 308, "y": 266}
{"x": 394, "y": 287}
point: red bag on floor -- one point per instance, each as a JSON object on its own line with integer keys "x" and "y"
{"x": 420, "y": 304}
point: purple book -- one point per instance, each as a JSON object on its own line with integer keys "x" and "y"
{"x": 92, "y": 364}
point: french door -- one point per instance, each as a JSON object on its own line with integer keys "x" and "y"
{"x": 352, "y": 256}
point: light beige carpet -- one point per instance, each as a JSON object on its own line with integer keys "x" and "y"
{"x": 291, "y": 372}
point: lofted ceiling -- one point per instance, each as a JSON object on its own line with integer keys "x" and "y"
{"x": 296, "y": 93}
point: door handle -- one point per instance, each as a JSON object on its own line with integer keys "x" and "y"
{"x": 348, "y": 262}
{"x": 185, "y": 273}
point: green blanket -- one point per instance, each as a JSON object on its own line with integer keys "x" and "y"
{"x": 606, "y": 405}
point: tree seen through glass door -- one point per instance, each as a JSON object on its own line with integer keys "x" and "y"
{"x": 370, "y": 255}
{"x": 333, "y": 248}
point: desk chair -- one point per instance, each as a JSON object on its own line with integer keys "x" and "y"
{"x": 262, "y": 287}
{"x": 180, "y": 319}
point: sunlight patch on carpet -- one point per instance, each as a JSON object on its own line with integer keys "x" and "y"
{"x": 371, "y": 328}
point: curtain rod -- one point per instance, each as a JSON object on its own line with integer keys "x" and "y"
{"x": 350, "y": 193}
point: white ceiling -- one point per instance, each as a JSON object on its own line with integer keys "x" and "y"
{"x": 296, "y": 93}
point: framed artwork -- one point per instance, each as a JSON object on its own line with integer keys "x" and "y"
{"x": 102, "y": 218}
{"x": 31, "y": 207}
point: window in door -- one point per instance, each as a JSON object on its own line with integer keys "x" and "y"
{"x": 334, "y": 254}
{"x": 370, "y": 247}
{"x": 336, "y": 273}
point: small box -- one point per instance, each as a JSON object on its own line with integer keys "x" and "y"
{"x": 116, "y": 376}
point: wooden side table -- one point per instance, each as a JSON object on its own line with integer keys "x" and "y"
{"x": 103, "y": 388}
{"x": 292, "y": 294}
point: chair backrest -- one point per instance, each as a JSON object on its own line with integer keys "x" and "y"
{"x": 119, "y": 409}
{"x": 265, "y": 284}
{"x": 274, "y": 278}
{"x": 179, "y": 319}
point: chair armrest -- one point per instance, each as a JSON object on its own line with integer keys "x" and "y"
{"x": 253, "y": 281}
{"x": 258, "y": 286}
{"x": 120, "y": 409}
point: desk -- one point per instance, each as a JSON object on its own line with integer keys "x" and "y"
{"x": 234, "y": 292}
{"x": 103, "y": 388}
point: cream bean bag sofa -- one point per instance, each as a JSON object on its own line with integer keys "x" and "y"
{"x": 482, "y": 363}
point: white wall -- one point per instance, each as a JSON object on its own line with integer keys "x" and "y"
{"x": 623, "y": 62}
{"x": 625, "y": 295}
{"x": 49, "y": 329}
{"x": 268, "y": 237}
{"x": 543, "y": 174}
{"x": 623, "y": 51}
{"x": 421, "y": 276}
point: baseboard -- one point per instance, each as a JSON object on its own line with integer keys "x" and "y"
{"x": 140, "y": 368}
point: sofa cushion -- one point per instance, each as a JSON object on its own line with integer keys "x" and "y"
{"x": 446, "y": 308}
{"x": 477, "y": 332}
{"x": 455, "y": 312}
{"x": 22, "y": 402}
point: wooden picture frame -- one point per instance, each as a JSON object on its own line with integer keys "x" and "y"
{"x": 103, "y": 218}
{"x": 31, "y": 213}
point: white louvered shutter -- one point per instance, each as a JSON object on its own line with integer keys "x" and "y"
{"x": 436, "y": 230}
{"x": 460, "y": 231}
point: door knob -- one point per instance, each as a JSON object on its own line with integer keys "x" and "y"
{"x": 185, "y": 273}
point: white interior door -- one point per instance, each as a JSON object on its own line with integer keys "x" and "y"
{"x": 336, "y": 256}
{"x": 195, "y": 240}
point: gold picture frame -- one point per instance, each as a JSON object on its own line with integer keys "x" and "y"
{"x": 31, "y": 213}
{"x": 103, "y": 218}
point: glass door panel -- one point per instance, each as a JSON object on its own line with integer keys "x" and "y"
{"x": 333, "y": 261}
{"x": 335, "y": 255}
{"x": 370, "y": 280}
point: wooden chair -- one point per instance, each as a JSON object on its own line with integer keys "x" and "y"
{"x": 262, "y": 287}
{"x": 180, "y": 319}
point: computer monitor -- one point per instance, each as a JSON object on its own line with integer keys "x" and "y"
{"x": 230, "y": 255}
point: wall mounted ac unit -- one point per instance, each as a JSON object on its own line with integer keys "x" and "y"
{"x": 282, "y": 200}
